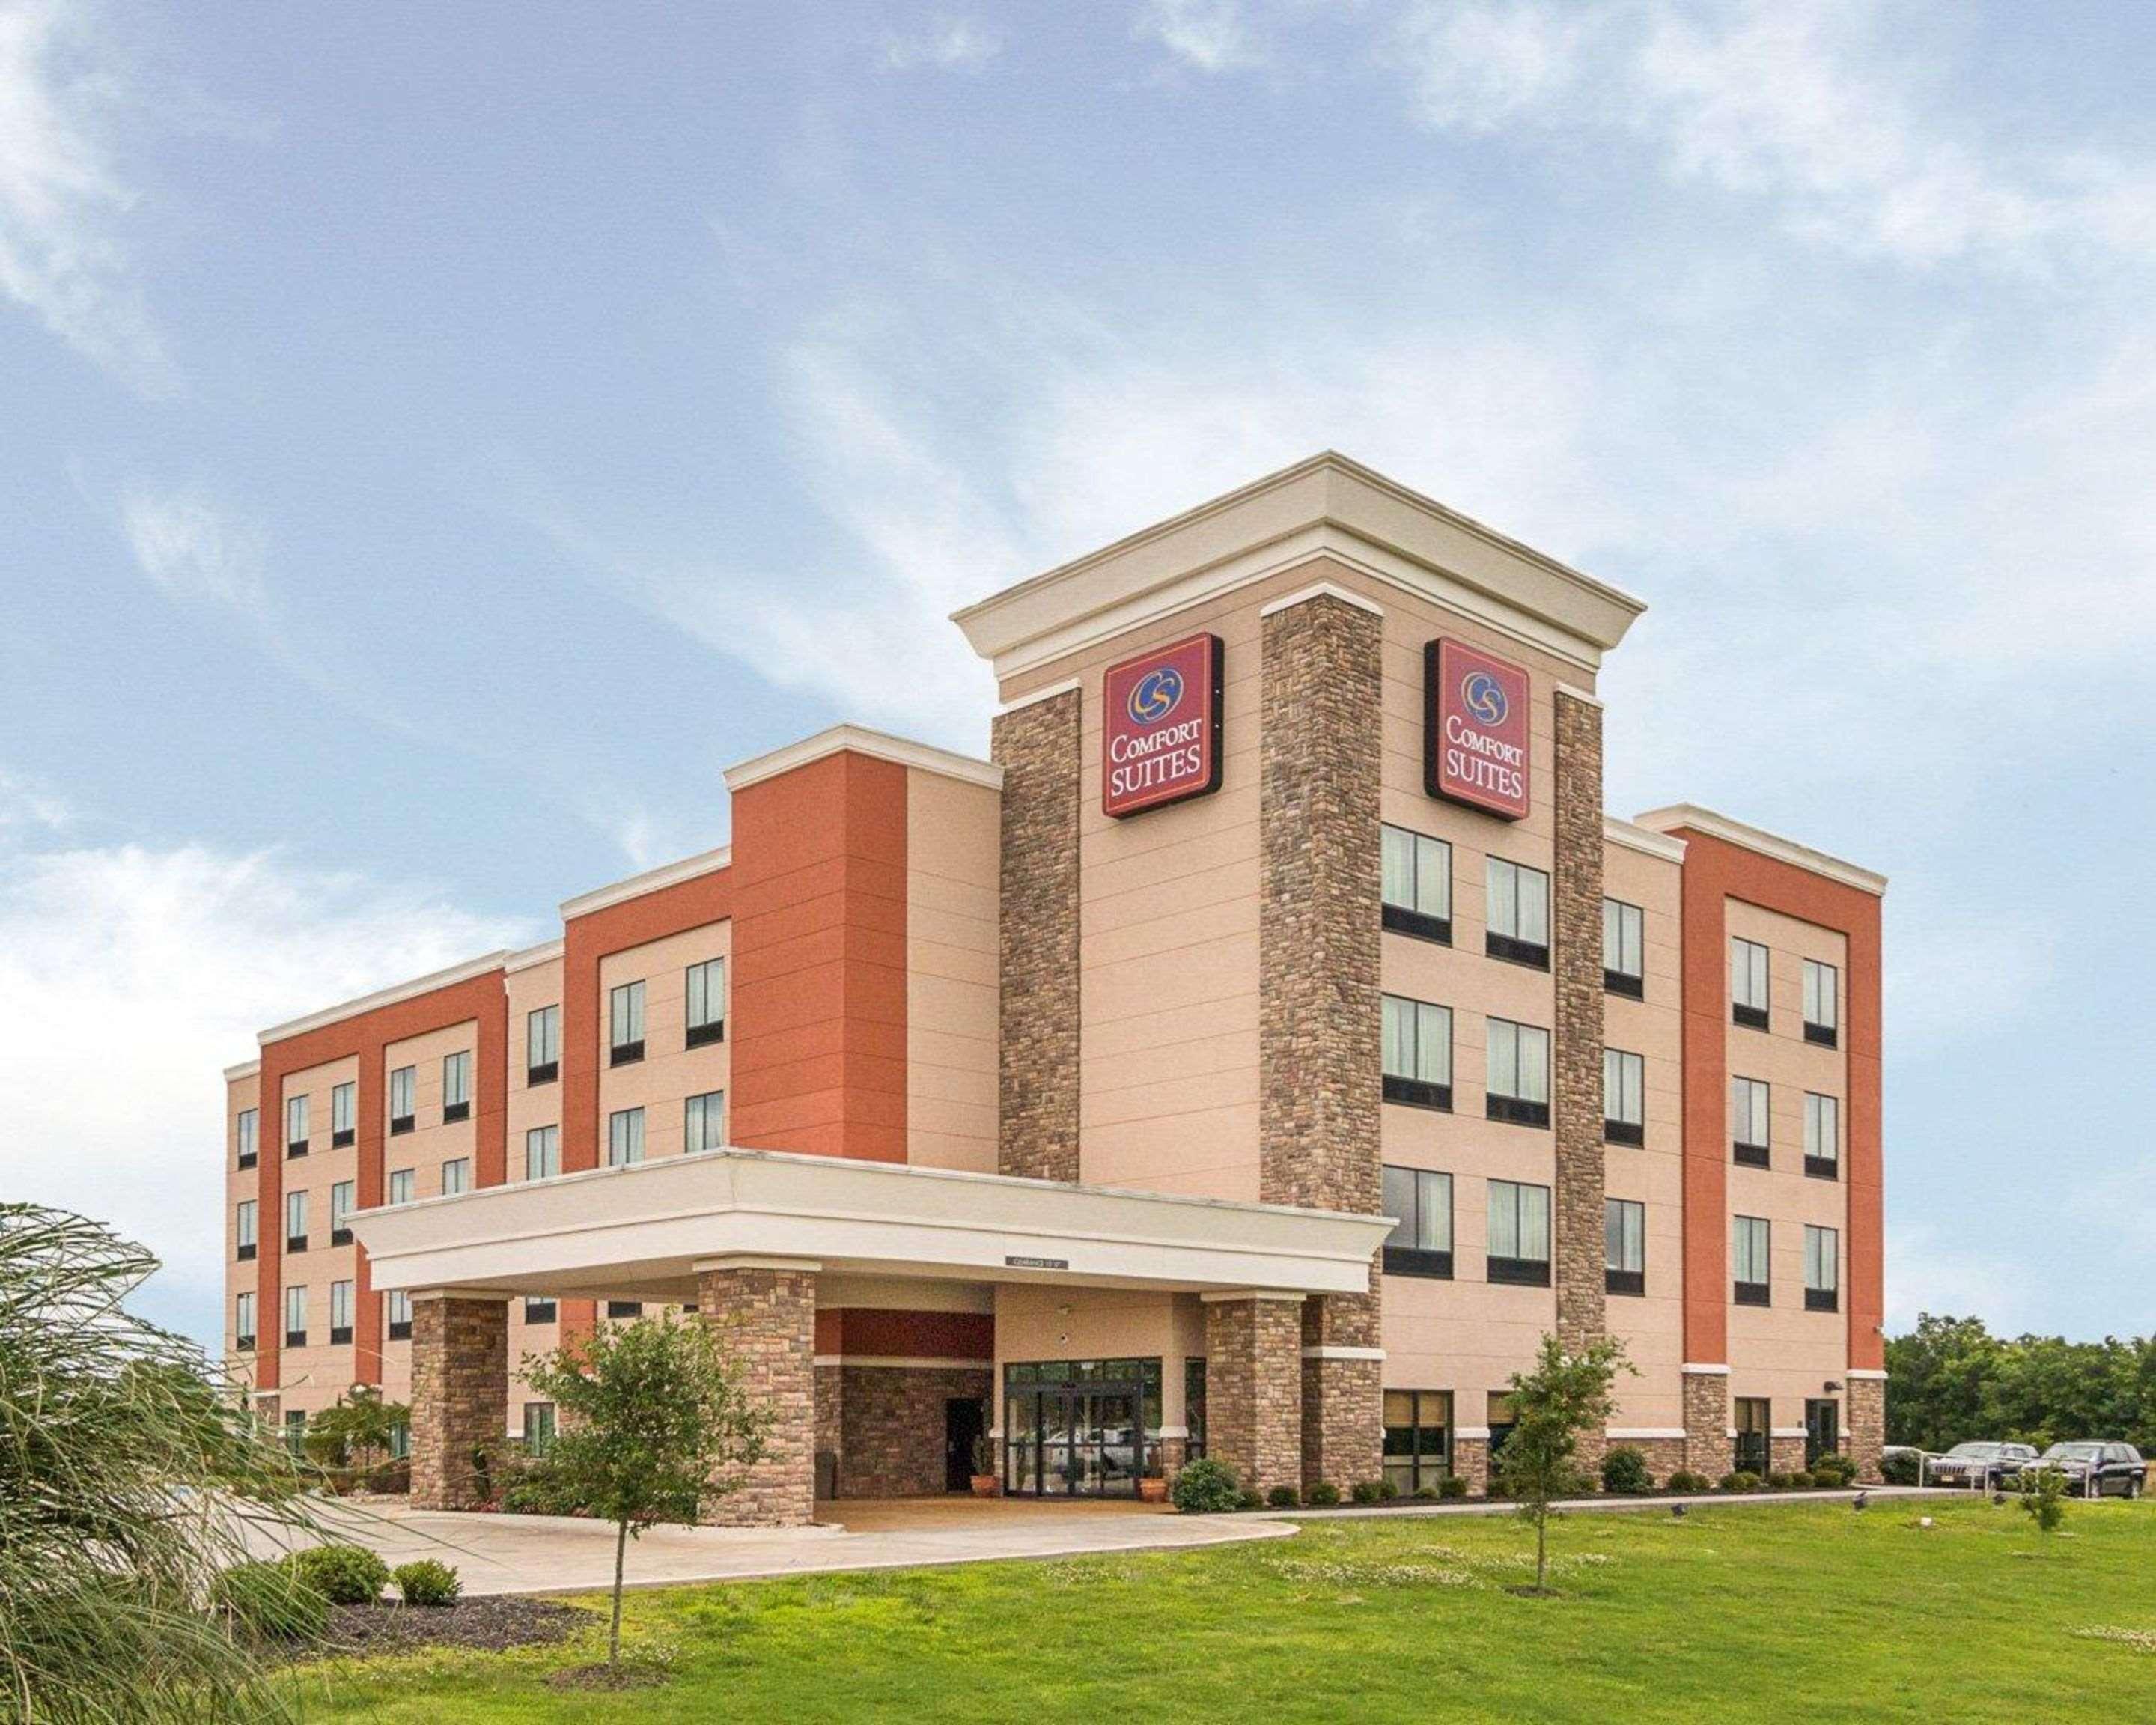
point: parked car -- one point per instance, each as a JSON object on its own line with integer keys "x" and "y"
{"x": 1976, "y": 1466}
{"x": 2094, "y": 1470}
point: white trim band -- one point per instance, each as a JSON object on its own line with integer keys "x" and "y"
{"x": 1764, "y": 844}
{"x": 1644, "y": 840}
{"x": 390, "y": 996}
{"x": 1069, "y": 685}
{"x": 1645, "y": 1434}
{"x": 1324, "y": 590}
{"x": 1342, "y": 1353}
{"x": 1866, "y": 1373}
{"x": 1215, "y": 1296}
{"x": 739, "y": 1260}
{"x": 1472, "y": 1433}
{"x": 859, "y": 740}
{"x": 673, "y": 874}
{"x": 1691, "y": 1369}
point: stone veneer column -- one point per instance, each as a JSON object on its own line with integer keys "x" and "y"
{"x": 1318, "y": 952}
{"x": 1707, "y": 1448}
{"x": 1867, "y": 1423}
{"x": 1576, "y": 955}
{"x": 1253, "y": 1387}
{"x": 1037, "y": 745}
{"x": 765, "y": 1313}
{"x": 459, "y": 1393}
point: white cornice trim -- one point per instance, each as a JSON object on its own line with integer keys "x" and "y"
{"x": 1787, "y": 1431}
{"x": 1344, "y": 1352}
{"x": 1473, "y": 1433}
{"x": 673, "y": 874}
{"x": 878, "y": 745}
{"x": 1693, "y": 1369}
{"x": 544, "y": 953}
{"x": 1763, "y": 842}
{"x": 1324, "y": 590}
{"x": 1069, "y": 685}
{"x": 1216, "y": 1297}
{"x": 245, "y": 1069}
{"x": 386, "y": 997}
{"x": 1643, "y": 840}
{"x": 1585, "y": 697}
{"x": 1644, "y": 1434}
{"x": 750, "y": 1261}
{"x": 1869, "y": 1374}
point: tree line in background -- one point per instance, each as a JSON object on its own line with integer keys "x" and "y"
{"x": 1951, "y": 1380}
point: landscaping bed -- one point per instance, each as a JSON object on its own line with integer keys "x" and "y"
{"x": 489, "y": 1622}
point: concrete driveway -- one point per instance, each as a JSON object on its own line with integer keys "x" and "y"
{"x": 551, "y": 1554}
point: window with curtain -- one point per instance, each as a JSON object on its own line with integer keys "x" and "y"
{"x": 625, "y": 1024}
{"x": 243, "y": 1320}
{"x": 296, "y": 1221}
{"x": 1517, "y": 1074}
{"x": 1822, "y": 1269}
{"x": 1749, "y": 1109}
{"x": 403, "y": 1185}
{"x": 344, "y": 1114}
{"x": 1417, "y": 1039}
{"x": 295, "y": 1316}
{"x": 1624, "y": 948}
{"x": 1418, "y": 1438}
{"x": 339, "y": 1312}
{"x": 1624, "y": 1245}
{"x": 543, "y": 1152}
{"x": 1416, "y": 891}
{"x": 1748, "y": 983}
{"x": 1822, "y": 1003}
{"x": 542, "y": 1045}
{"x": 1749, "y": 1242}
{"x": 404, "y": 1099}
{"x": 341, "y": 1207}
{"x": 456, "y": 1176}
{"x": 295, "y": 1125}
{"x": 703, "y": 1127}
{"x": 1420, "y": 1243}
{"x": 1822, "y": 1136}
{"x": 1623, "y": 1097}
{"x": 456, "y": 1085}
{"x": 1518, "y": 908}
{"x": 1519, "y": 1246}
{"x": 625, "y": 1137}
{"x": 400, "y": 1315}
{"x": 243, "y": 1224}
{"x": 246, "y": 1128}
{"x": 707, "y": 988}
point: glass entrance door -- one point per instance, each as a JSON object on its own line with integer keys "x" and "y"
{"x": 1822, "y": 1430}
{"x": 1092, "y": 1437}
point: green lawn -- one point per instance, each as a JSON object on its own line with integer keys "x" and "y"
{"x": 1787, "y": 1613}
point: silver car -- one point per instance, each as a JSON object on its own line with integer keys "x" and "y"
{"x": 1976, "y": 1466}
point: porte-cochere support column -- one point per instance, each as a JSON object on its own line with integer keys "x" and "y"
{"x": 1254, "y": 1386}
{"x": 459, "y": 1393}
{"x": 764, "y": 1309}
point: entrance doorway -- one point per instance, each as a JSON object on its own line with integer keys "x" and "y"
{"x": 1081, "y": 1428}
{"x": 962, "y": 1425}
{"x": 1822, "y": 1430}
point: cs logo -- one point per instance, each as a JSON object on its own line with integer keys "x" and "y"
{"x": 1485, "y": 697}
{"x": 1154, "y": 696}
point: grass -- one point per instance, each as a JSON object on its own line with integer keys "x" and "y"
{"x": 1769, "y": 1612}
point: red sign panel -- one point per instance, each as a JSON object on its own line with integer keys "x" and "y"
{"x": 1160, "y": 734}
{"x": 1474, "y": 741}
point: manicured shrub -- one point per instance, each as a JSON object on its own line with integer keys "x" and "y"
{"x": 1834, "y": 1469}
{"x": 1206, "y": 1487}
{"x": 1452, "y": 1485}
{"x": 1426, "y": 1494}
{"x": 427, "y": 1582}
{"x": 1624, "y": 1473}
{"x": 1248, "y": 1499}
{"x": 343, "y": 1574}
{"x": 1777, "y": 1482}
{"x": 1365, "y": 1491}
{"x": 1321, "y": 1495}
{"x": 1742, "y": 1479}
{"x": 1685, "y": 1480}
{"x": 1387, "y": 1490}
{"x": 1902, "y": 1468}
{"x": 1281, "y": 1497}
{"x": 270, "y": 1602}
{"x": 1802, "y": 1481}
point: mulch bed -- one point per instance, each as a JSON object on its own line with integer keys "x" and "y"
{"x": 488, "y": 1622}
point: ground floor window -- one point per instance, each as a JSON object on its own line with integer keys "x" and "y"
{"x": 400, "y": 1440}
{"x": 1081, "y": 1428}
{"x": 1193, "y": 1407}
{"x": 1418, "y": 1437}
{"x": 1501, "y": 1421}
{"x": 295, "y": 1431}
{"x": 1754, "y": 1427}
{"x": 1822, "y": 1430}
{"x": 538, "y": 1426}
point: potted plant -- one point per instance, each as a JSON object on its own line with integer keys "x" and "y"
{"x": 984, "y": 1466}
{"x": 1152, "y": 1484}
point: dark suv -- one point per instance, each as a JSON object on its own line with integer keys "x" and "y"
{"x": 2095, "y": 1470}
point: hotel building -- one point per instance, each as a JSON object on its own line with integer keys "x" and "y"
{"x": 1254, "y": 1056}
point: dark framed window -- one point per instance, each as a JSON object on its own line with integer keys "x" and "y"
{"x": 404, "y": 1099}
{"x": 704, "y": 1122}
{"x": 1751, "y": 1240}
{"x": 538, "y": 1312}
{"x": 295, "y": 1125}
{"x": 242, "y": 1227}
{"x": 1623, "y": 1097}
{"x": 1501, "y": 1421}
{"x": 1416, "y": 892}
{"x": 624, "y": 1308}
{"x": 1750, "y": 1108}
{"x": 538, "y": 1427}
{"x": 1088, "y": 1428}
{"x": 1624, "y": 949}
{"x": 1417, "y": 1052}
{"x": 344, "y": 1115}
{"x": 403, "y": 1185}
{"x": 542, "y": 1045}
{"x": 1516, "y": 1082}
{"x": 1822, "y": 1003}
{"x": 456, "y": 1176}
{"x": 1625, "y": 1246}
{"x": 243, "y": 1322}
{"x": 296, "y": 1221}
{"x": 341, "y": 1200}
{"x": 543, "y": 1152}
{"x": 625, "y": 1025}
{"x": 400, "y": 1315}
{"x": 1748, "y": 983}
{"x": 1752, "y": 1417}
{"x": 1822, "y": 1269}
{"x": 1193, "y": 1409}
{"x": 1420, "y": 1243}
{"x": 340, "y": 1313}
{"x": 456, "y": 1085}
{"x": 706, "y": 992}
{"x": 625, "y": 1137}
{"x": 1822, "y": 1136}
{"x": 1519, "y": 1239}
{"x": 246, "y": 1132}
{"x": 295, "y": 1317}
{"x": 1418, "y": 1441}
{"x": 1518, "y": 912}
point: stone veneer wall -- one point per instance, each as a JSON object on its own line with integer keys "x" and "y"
{"x": 459, "y": 1396}
{"x": 1664, "y": 1456}
{"x": 767, "y": 1321}
{"x": 1254, "y": 1389}
{"x": 891, "y": 1426}
{"x": 1708, "y": 1446}
{"x": 1318, "y": 955}
{"x": 1037, "y": 1084}
{"x": 1865, "y": 1410}
{"x": 1470, "y": 1460}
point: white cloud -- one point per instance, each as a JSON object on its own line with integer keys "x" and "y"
{"x": 1207, "y": 35}
{"x": 24, "y": 803}
{"x": 194, "y": 552}
{"x": 131, "y": 976}
{"x": 955, "y": 44}
{"x": 62, "y": 197}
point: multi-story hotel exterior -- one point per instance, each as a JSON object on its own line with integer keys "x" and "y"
{"x": 1257, "y": 1055}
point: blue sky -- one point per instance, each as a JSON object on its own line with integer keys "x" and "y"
{"x": 433, "y": 441}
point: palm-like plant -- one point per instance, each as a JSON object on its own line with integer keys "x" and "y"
{"x": 126, "y": 1475}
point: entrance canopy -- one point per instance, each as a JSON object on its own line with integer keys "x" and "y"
{"x": 643, "y": 1230}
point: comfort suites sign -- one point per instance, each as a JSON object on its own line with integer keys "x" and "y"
{"x": 1475, "y": 738}
{"x": 1160, "y": 732}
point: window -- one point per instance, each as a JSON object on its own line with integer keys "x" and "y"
{"x": 1748, "y": 1246}
{"x": 1501, "y": 1422}
{"x": 456, "y": 1085}
{"x": 538, "y": 1310}
{"x": 340, "y": 1198}
{"x": 1754, "y": 1426}
{"x": 404, "y": 1099}
{"x": 400, "y": 1316}
{"x": 1748, "y": 1100}
{"x": 295, "y": 1316}
{"x": 340, "y": 1313}
{"x": 400, "y": 1441}
{"x": 1623, "y": 1097}
{"x": 242, "y": 1322}
{"x": 625, "y": 1137}
{"x": 704, "y": 1123}
{"x": 543, "y": 1152}
{"x": 1748, "y": 983}
{"x": 1517, "y": 1084}
{"x": 403, "y": 1185}
{"x": 1519, "y": 1234}
{"x": 538, "y": 1427}
{"x": 243, "y": 1224}
{"x": 1625, "y": 1246}
{"x": 246, "y": 1128}
{"x": 1822, "y": 1136}
{"x": 344, "y": 1115}
{"x": 1418, "y": 1053}
{"x": 1822, "y": 1269}
{"x": 1418, "y": 1438}
{"x": 1193, "y": 1407}
{"x": 295, "y": 1125}
{"x": 1519, "y": 914}
{"x": 1420, "y": 1243}
{"x": 1822, "y": 1003}
{"x": 1624, "y": 948}
{"x": 295, "y": 1431}
{"x": 1417, "y": 890}
{"x": 456, "y": 1176}
{"x": 625, "y": 1024}
{"x": 624, "y": 1308}
{"x": 707, "y": 1002}
{"x": 296, "y": 1221}
{"x": 542, "y": 1045}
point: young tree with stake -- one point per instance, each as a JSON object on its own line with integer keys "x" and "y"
{"x": 1565, "y": 1396}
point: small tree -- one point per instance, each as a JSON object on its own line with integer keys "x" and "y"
{"x": 654, "y": 1425}
{"x": 2044, "y": 1495}
{"x": 356, "y": 1431}
{"x": 1565, "y": 1395}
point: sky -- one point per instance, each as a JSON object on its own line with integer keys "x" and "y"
{"x": 434, "y": 441}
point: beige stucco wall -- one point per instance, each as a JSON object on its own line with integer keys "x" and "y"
{"x": 314, "y": 1376}
{"x": 952, "y": 862}
{"x": 528, "y": 1104}
{"x": 670, "y": 1072}
{"x": 1035, "y": 1322}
